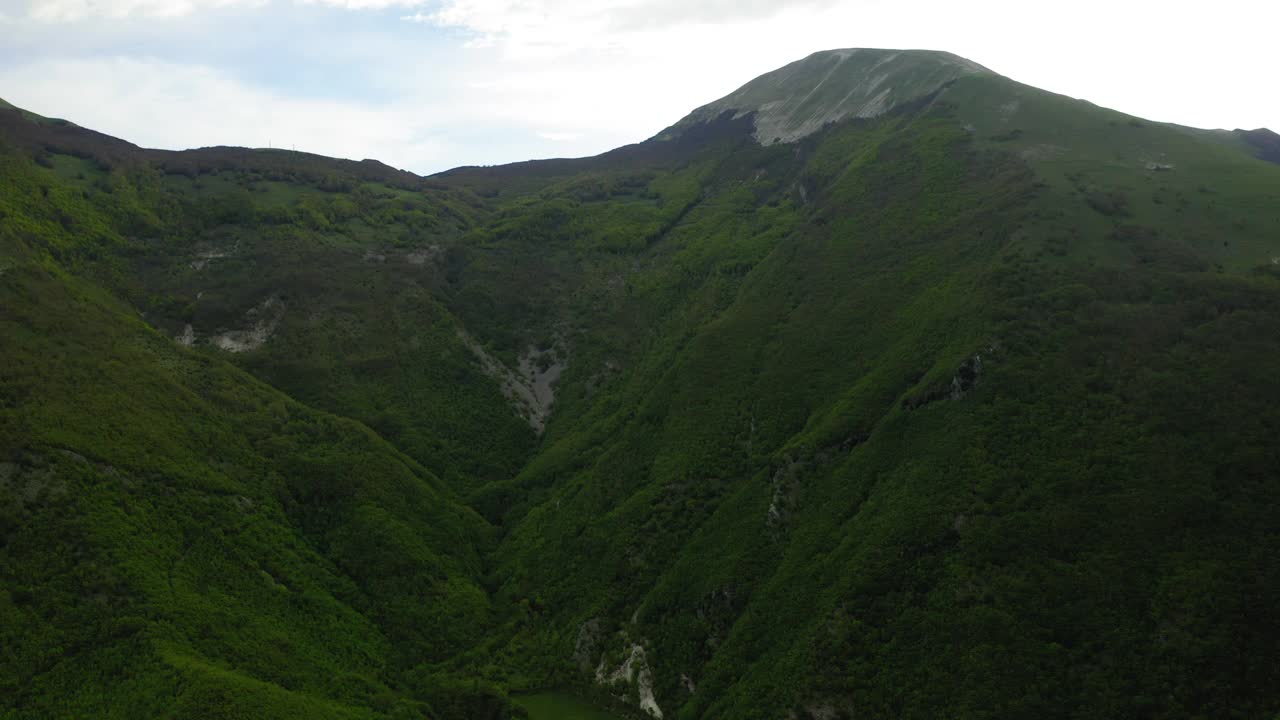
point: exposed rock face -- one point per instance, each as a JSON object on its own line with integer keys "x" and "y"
{"x": 531, "y": 388}
{"x": 963, "y": 381}
{"x": 423, "y": 255}
{"x": 783, "y": 482}
{"x": 202, "y": 259}
{"x": 634, "y": 669}
{"x": 966, "y": 377}
{"x": 262, "y": 319}
{"x": 826, "y": 87}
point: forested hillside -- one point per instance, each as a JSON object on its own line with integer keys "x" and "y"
{"x": 885, "y": 386}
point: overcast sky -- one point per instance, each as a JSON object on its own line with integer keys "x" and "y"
{"x": 431, "y": 84}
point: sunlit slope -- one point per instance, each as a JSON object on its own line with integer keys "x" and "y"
{"x": 178, "y": 539}
{"x": 827, "y": 87}
{"x": 323, "y": 277}
{"x": 1211, "y": 201}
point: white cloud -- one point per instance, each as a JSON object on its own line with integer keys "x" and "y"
{"x": 543, "y": 77}
{"x": 77, "y": 10}
{"x": 74, "y": 10}
{"x": 362, "y": 4}
{"x": 541, "y": 28}
{"x": 1166, "y": 60}
{"x": 559, "y": 136}
{"x": 172, "y": 106}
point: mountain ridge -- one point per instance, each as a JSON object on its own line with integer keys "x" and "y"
{"x": 959, "y": 409}
{"x": 774, "y": 118}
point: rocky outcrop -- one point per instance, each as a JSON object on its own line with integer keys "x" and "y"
{"x": 634, "y": 669}
{"x": 783, "y": 480}
{"x": 263, "y": 320}
{"x": 423, "y": 255}
{"x": 531, "y": 388}
{"x": 961, "y": 383}
{"x": 202, "y": 259}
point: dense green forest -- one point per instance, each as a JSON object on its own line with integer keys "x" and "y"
{"x": 964, "y": 409}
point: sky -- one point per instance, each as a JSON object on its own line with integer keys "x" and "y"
{"x": 427, "y": 85}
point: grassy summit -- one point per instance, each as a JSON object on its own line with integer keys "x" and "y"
{"x": 801, "y": 98}
{"x": 886, "y": 386}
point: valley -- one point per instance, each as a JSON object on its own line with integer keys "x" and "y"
{"x": 885, "y": 386}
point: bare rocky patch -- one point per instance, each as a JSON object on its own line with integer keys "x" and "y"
{"x": 531, "y": 387}
{"x": 422, "y": 256}
{"x": 202, "y": 259}
{"x": 634, "y": 669}
{"x": 263, "y": 320}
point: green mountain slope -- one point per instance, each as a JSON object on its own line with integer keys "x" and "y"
{"x": 940, "y": 412}
{"x": 182, "y": 540}
{"x": 827, "y": 87}
{"x": 336, "y": 262}
{"x": 885, "y": 386}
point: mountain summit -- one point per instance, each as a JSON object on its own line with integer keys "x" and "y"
{"x": 829, "y": 86}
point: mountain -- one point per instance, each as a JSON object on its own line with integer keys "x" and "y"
{"x": 1266, "y": 144}
{"x": 885, "y": 386}
{"x": 827, "y": 87}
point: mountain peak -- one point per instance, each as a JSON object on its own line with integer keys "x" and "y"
{"x": 1264, "y": 143}
{"x": 828, "y": 86}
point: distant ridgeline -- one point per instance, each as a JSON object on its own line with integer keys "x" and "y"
{"x": 884, "y": 386}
